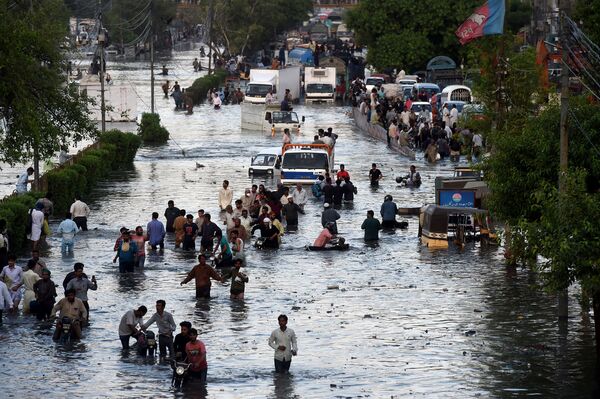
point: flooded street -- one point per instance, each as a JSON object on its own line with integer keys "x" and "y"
{"x": 391, "y": 321}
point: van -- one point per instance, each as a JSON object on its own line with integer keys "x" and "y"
{"x": 303, "y": 163}
{"x": 265, "y": 162}
{"x": 456, "y": 93}
{"x": 430, "y": 89}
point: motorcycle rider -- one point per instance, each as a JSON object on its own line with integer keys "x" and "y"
{"x": 181, "y": 340}
{"x": 70, "y": 307}
{"x": 81, "y": 284}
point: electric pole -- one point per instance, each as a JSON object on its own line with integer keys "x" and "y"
{"x": 211, "y": 17}
{"x": 101, "y": 39}
{"x": 563, "y": 300}
{"x": 151, "y": 61}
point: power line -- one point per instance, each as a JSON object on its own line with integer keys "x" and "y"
{"x": 580, "y": 128}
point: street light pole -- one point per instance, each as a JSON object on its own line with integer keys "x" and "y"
{"x": 101, "y": 39}
{"x": 151, "y": 61}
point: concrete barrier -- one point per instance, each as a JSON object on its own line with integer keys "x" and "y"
{"x": 379, "y": 132}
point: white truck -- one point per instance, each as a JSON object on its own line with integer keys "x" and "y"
{"x": 319, "y": 85}
{"x": 277, "y": 80}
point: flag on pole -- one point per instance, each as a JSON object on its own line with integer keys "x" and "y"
{"x": 486, "y": 20}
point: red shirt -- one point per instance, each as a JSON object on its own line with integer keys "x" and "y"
{"x": 342, "y": 174}
{"x": 196, "y": 351}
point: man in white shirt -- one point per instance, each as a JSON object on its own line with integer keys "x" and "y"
{"x": 246, "y": 220}
{"x": 13, "y": 276}
{"x": 269, "y": 98}
{"x": 405, "y": 117}
{"x": 225, "y": 195}
{"x": 299, "y": 196}
{"x": 5, "y": 299}
{"x": 23, "y": 180}
{"x": 80, "y": 212}
{"x": 129, "y": 323}
{"x": 453, "y": 115}
{"x": 446, "y": 115}
{"x": 37, "y": 222}
{"x": 477, "y": 144}
{"x": 67, "y": 229}
{"x": 283, "y": 340}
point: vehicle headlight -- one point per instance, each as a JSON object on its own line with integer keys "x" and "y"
{"x": 179, "y": 370}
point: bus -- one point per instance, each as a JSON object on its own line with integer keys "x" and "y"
{"x": 303, "y": 163}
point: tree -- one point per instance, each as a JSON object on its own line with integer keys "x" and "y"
{"x": 41, "y": 112}
{"x": 587, "y": 14}
{"x": 404, "y": 34}
{"x": 245, "y": 26}
{"x": 522, "y": 174}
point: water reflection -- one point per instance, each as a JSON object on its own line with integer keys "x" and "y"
{"x": 283, "y": 385}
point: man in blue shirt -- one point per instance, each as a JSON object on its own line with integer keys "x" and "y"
{"x": 156, "y": 232}
{"x": 67, "y": 228}
{"x": 23, "y": 180}
{"x": 388, "y": 213}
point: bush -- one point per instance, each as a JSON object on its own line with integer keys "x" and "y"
{"x": 115, "y": 150}
{"x": 151, "y": 131}
{"x": 202, "y": 85}
{"x": 14, "y": 211}
{"x": 123, "y": 145}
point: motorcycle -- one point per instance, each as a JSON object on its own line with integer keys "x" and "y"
{"x": 146, "y": 344}
{"x": 260, "y": 242}
{"x": 180, "y": 373}
{"x": 65, "y": 331}
{"x": 404, "y": 181}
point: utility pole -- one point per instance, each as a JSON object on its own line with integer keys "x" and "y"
{"x": 101, "y": 39}
{"x": 563, "y": 300}
{"x": 151, "y": 60}
{"x": 211, "y": 17}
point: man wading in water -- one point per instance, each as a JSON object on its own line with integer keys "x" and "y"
{"x": 202, "y": 273}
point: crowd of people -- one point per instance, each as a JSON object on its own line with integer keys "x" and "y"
{"x": 439, "y": 134}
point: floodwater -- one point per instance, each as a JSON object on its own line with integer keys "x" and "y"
{"x": 391, "y": 321}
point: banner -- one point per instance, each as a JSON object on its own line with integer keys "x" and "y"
{"x": 486, "y": 20}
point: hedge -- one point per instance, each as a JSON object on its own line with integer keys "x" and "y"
{"x": 202, "y": 85}
{"x": 125, "y": 146}
{"x": 116, "y": 149}
{"x": 14, "y": 210}
{"x": 151, "y": 131}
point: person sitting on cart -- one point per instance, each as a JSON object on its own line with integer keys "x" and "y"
{"x": 326, "y": 236}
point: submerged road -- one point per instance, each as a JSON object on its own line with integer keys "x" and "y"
{"x": 391, "y": 321}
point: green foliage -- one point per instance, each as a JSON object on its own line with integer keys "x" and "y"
{"x": 123, "y": 146}
{"x": 41, "y": 111}
{"x": 518, "y": 15}
{"x": 522, "y": 174}
{"x": 245, "y": 26}
{"x": 413, "y": 31}
{"x": 117, "y": 149}
{"x": 202, "y": 85}
{"x": 520, "y": 94}
{"x": 14, "y": 210}
{"x": 567, "y": 234}
{"x": 151, "y": 131}
{"x": 588, "y": 13}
